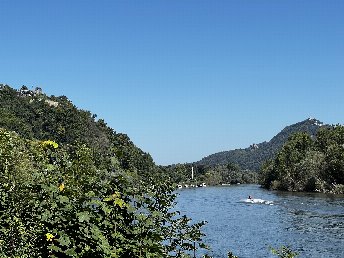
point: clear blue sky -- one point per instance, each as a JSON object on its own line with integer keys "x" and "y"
{"x": 184, "y": 79}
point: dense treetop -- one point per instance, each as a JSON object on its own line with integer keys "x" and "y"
{"x": 308, "y": 163}
{"x": 34, "y": 115}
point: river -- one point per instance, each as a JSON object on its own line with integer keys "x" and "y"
{"x": 310, "y": 223}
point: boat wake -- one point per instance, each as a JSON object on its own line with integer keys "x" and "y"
{"x": 258, "y": 201}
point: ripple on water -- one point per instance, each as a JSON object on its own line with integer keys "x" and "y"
{"x": 313, "y": 224}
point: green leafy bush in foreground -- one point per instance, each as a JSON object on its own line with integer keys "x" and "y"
{"x": 55, "y": 202}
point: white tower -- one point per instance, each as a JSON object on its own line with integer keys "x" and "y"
{"x": 192, "y": 173}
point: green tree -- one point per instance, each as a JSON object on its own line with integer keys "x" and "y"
{"x": 306, "y": 164}
{"x": 56, "y": 201}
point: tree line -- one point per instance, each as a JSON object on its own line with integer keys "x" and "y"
{"x": 308, "y": 163}
{"x": 210, "y": 174}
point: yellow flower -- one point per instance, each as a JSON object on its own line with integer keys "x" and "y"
{"x": 61, "y": 187}
{"x": 116, "y": 195}
{"x": 50, "y": 143}
{"x": 49, "y": 236}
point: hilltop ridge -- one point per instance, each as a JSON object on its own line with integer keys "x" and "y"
{"x": 255, "y": 155}
{"x": 35, "y": 115}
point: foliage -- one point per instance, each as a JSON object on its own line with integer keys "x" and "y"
{"x": 308, "y": 164}
{"x": 70, "y": 186}
{"x": 284, "y": 252}
{"x": 242, "y": 165}
{"x": 56, "y": 118}
{"x": 231, "y": 255}
{"x": 210, "y": 175}
{"x": 56, "y": 202}
{"x": 253, "y": 157}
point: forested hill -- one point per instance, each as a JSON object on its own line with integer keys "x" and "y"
{"x": 254, "y": 156}
{"x": 35, "y": 115}
{"x": 70, "y": 186}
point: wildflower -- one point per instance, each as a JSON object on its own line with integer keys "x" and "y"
{"x": 49, "y": 236}
{"x": 61, "y": 187}
{"x": 50, "y": 144}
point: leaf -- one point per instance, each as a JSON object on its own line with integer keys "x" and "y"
{"x": 63, "y": 199}
{"x": 71, "y": 252}
{"x": 55, "y": 248}
{"x": 119, "y": 202}
{"x": 83, "y": 216}
{"x": 64, "y": 240}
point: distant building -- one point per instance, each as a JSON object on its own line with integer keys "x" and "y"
{"x": 25, "y": 92}
{"x": 254, "y": 146}
{"x": 52, "y": 103}
{"x": 38, "y": 91}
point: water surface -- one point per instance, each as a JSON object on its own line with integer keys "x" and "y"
{"x": 312, "y": 224}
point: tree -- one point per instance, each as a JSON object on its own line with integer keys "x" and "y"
{"x": 55, "y": 201}
{"x": 306, "y": 164}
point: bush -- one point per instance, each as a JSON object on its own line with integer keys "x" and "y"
{"x": 56, "y": 202}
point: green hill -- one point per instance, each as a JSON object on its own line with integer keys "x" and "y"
{"x": 253, "y": 157}
{"x": 34, "y": 115}
{"x": 70, "y": 186}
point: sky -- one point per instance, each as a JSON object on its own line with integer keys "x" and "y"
{"x": 184, "y": 78}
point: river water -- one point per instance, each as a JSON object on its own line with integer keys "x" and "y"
{"x": 312, "y": 224}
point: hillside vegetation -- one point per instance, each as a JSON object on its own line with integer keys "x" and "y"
{"x": 70, "y": 186}
{"x": 210, "y": 175}
{"x": 308, "y": 163}
{"x": 240, "y": 165}
{"x": 253, "y": 157}
{"x": 41, "y": 117}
